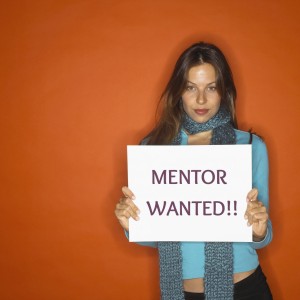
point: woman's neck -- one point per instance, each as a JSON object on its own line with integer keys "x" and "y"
{"x": 200, "y": 138}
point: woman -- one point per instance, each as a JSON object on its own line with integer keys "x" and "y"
{"x": 199, "y": 109}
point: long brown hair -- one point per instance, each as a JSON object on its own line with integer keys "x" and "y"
{"x": 169, "y": 122}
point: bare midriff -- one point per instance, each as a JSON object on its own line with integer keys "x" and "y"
{"x": 196, "y": 285}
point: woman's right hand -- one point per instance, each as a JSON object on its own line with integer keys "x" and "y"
{"x": 126, "y": 209}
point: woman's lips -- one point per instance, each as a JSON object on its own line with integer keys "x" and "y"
{"x": 201, "y": 112}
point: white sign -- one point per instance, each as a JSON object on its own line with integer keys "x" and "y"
{"x": 190, "y": 193}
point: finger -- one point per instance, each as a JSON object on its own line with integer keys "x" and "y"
{"x": 125, "y": 205}
{"x": 127, "y": 213}
{"x": 127, "y": 192}
{"x": 257, "y": 215}
{"x": 252, "y": 195}
{"x": 250, "y": 205}
{"x": 129, "y": 202}
{"x": 253, "y": 204}
{"x": 252, "y": 208}
{"x": 124, "y": 209}
{"x": 260, "y": 216}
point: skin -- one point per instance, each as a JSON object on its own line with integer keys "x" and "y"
{"x": 201, "y": 93}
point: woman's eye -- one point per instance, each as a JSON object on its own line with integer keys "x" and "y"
{"x": 212, "y": 88}
{"x": 190, "y": 88}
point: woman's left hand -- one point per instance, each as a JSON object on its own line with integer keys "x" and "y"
{"x": 257, "y": 216}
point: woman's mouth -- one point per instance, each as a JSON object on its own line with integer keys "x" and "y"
{"x": 201, "y": 112}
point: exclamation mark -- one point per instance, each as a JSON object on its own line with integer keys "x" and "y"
{"x": 228, "y": 206}
{"x": 235, "y": 207}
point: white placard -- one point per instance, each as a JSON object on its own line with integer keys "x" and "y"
{"x": 190, "y": 193}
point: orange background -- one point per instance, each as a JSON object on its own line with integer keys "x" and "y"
{"x": 79, "y": 81}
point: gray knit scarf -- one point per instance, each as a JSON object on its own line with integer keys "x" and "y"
{"x": 218, "y": 255}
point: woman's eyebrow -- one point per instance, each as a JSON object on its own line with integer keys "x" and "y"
{"x": 191, "y": 82}
{"x": 213, "y": 82}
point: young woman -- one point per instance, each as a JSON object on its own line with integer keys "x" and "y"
{"x": 199, "y": 109}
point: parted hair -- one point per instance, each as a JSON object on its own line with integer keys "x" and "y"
{"x": 170, "y": 117}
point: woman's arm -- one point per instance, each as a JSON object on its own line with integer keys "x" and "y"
{"x": 257, "y": 212}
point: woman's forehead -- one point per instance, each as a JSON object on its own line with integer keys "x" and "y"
{"x": 204, "y": 73}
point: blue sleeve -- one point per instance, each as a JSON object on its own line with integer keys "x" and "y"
{"x": 149, "y": 244}
{"x": 260, "y": 180}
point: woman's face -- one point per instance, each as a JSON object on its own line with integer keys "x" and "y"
{"x": 201, "y": 100}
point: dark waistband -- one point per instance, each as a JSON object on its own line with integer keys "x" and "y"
{"x": 256, "y": 277}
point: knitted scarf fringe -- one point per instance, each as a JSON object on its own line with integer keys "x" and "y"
{"x": 218, "y": 277}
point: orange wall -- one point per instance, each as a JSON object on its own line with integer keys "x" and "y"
{"x": 79, "y": 80}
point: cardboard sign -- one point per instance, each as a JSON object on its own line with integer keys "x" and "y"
{"x": 190, "y": 193}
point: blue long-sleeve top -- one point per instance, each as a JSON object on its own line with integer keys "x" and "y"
{"x": 244, "y": 253}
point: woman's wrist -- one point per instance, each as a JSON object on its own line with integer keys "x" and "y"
{"x": 258, "y": 238}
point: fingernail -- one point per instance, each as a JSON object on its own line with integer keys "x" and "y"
{"x": 132, "y": 197}
{"x": 138, "y": 212}
{"x": 137, "y": 218}
{"x": 248, "y": 224}
{"x": 246, "y": 217}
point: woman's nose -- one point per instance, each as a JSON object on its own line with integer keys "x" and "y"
{"x": 201, "y": 97}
